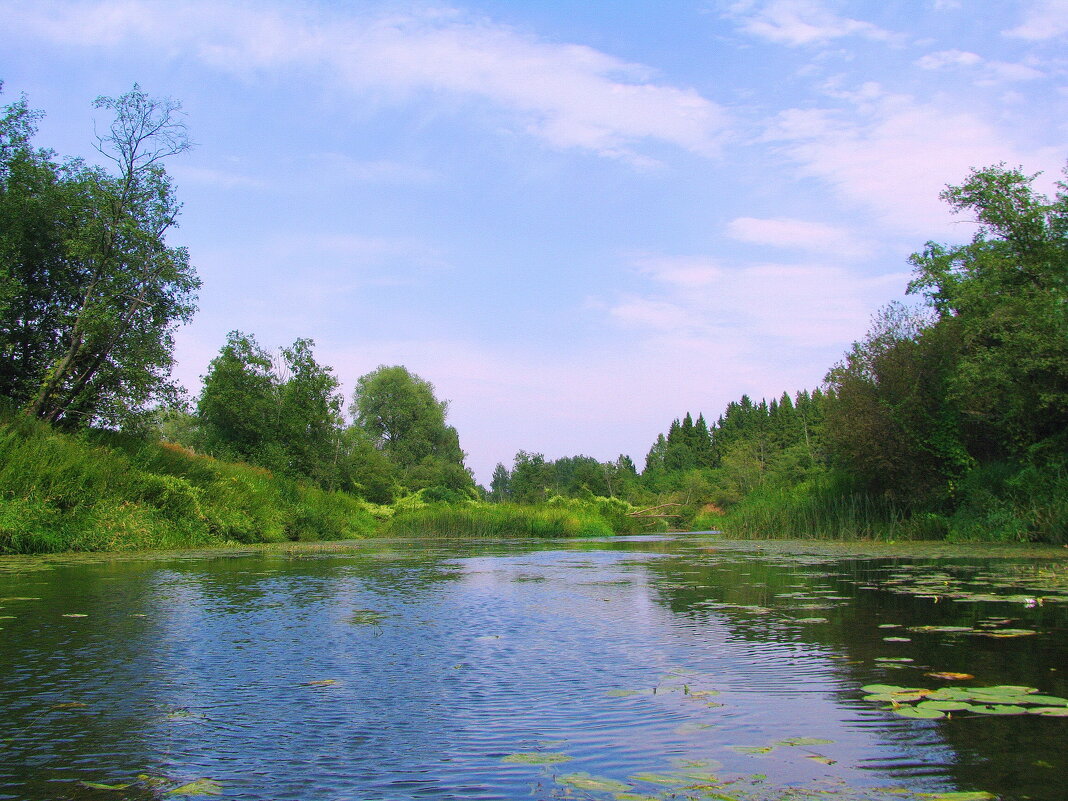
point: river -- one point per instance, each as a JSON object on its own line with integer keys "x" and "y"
{"x": 662, "y": 667}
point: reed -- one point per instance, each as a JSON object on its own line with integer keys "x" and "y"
{"x": 812, "y": 510}
{"x": 498, "y": 520}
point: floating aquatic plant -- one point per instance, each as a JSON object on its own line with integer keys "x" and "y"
{"x": 536, "y": 758}
{"x": 996, "y": 700}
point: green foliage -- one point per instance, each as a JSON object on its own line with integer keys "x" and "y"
{"x": 950, "y": 421}
{"x": 823, "y": 508}
{"x": 534, "y": 480}
{"x": 398, "y": 414}
{"x": 1005, "y": 296}
{"x": 112, "y": 491}
{"x": 284, "y": 416}
{"x": 499, "y": 520}
{"x": 90, "y": 292}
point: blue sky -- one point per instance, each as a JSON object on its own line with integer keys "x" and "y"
{"x": 577, "y": 219}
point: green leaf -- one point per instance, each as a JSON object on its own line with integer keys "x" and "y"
{"x": 998, "y": 709}
{"x": 657, "y": 778}
{"x": 198, "y": 787}
{"x": 536, "y": 758}
{"x": 945, "y": 706}
{"x": 1050, "y": 711}
{"x": 584, "y": 781}
{"x": 754, "y": 750}
{"x": 804, "y": 741}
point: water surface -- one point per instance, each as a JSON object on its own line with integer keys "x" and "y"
{"x": 657, "y": 667}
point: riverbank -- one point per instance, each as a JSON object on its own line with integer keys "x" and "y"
{"x": 108, "y": 491}
{"x": 104, "y": 491}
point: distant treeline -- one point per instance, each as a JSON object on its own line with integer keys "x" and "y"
{"x": 949, "y": 419}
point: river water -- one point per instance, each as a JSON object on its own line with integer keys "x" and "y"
{"x": 633, "y": 668}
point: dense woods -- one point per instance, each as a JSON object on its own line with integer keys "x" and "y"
{"x": 948, "y": 419}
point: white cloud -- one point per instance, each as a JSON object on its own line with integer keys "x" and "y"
{"x": 782, "y": 232}
{"x": 1043, "y": 19}
{"x": 570, "y": 96}
{"x": 990, "y": 72}
{"x": 800, "y": 305}
{"x": 894, "y": 156}
{"x": 1005, "y": 72}
{"x": 949, "y": 58}
{"x": 801, "y": 22}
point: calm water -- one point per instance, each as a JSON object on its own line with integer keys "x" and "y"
{"x": 656, "y": 667}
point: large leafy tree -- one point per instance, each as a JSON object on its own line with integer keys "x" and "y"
{"x": 283, "y": 413}
{"x": 91, "y": 290}
{"x": 1005, "y": 296}
{"x": 399, "y": 413}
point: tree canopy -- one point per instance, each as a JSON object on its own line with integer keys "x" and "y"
{"x": 90, "y": 290}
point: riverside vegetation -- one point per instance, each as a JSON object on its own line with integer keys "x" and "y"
{"x": 949, "y": 420}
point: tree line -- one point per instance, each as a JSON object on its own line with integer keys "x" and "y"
{"x": 91, "y": 293}
{"x": 950, "y": 417}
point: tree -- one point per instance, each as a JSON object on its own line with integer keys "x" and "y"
{"x": 398, "y": 412}
{"x": 237, "y": 406}
{"x": 890, "y": 425}
{"x": 283, "y": 414}
{"x": 1006, "y": 296}
{"x": 93, "y": 289}
{"x": 500, "y": 484}
{"x": 310, "y": 418}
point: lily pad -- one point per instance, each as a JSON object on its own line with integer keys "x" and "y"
{"x": 998, "y": 709}
{"x": 657, "y": 778}
{"x": 1050, "y": 711}
{"x": 1005, "y": 633}
{"x": 1045, "y": 700}
{"x": 753, "y": 750}
{"x": 320, "y": 683}
{"x": 896, "y": 698}
{"x": 945, "y": 706}
{"x": 917, "y": 712}
{"x": 949, "y": 675}
{"x": 804, "y": 741}
{"x": 960, "y": 795}
{"x": 536, "y": 758}
{"x": 823, "y": 760}
{"x": 890, "y": 688}
{"x": 584, "y": 781}
{"x": 198, "y": 787}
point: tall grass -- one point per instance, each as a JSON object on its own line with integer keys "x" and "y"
{"x": 109, "y": 491}
{"x": 813, "y": 510}
{"x": 503, "y": 520}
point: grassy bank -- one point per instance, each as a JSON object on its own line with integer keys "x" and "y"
{"x": 559, "y": 517}
{"x": 998, "y": 504}
{"x": 107, "y": 491}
